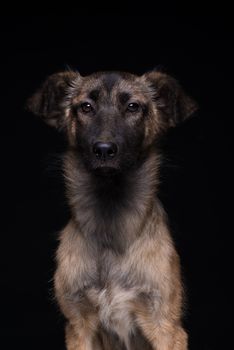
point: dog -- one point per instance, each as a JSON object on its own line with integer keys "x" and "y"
{"x": 118, "y": 280}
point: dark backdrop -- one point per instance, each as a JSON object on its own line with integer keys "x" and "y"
{"x": 196, "y": 178}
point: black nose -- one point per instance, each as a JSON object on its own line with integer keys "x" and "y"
{"x": 105, "y": 150}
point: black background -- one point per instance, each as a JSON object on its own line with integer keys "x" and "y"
{"x": 196, "y": 180}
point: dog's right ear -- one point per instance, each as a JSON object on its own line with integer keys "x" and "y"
{"x": 48, "y": 101}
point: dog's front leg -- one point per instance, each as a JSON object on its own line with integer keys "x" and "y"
{"x": 163, "y": 334}
{"x": 80, "y": 335}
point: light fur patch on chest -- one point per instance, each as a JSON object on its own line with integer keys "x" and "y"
{"x": 115, "y": 310}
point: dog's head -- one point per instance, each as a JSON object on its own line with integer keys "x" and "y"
{"x": 111, "y": 118}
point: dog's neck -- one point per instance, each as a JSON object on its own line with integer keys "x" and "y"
{"x": 108, "y": 209}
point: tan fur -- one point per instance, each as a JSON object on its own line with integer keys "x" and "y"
{"x": 151, "y": 266}
{"x": 128, "y": 295}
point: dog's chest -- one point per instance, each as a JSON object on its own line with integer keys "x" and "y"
{"x": 113, "y": 301}
{"x": 115, "y": 307}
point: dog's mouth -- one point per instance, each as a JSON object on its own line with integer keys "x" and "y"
{"x": 106, "y": 158}
{"x": 104, "y": 169}
{"x": 109, "y": 165}
{"x": 113, "y": 167}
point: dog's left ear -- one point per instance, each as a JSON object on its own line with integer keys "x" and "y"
{"x": 170, "y": 98}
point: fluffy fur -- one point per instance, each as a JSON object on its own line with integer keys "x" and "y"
{"x": 118, "y": 277}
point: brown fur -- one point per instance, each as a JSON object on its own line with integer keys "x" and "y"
{"x": 118, "y": 277}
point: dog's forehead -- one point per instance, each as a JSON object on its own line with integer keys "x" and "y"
{"x": 112, "y": 84}
{"x": 109, "y": 80}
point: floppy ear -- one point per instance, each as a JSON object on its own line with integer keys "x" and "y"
{"x": 170, "y": 98}
{"x": 48, "y": 101}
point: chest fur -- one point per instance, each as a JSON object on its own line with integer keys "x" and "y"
{"x": 115, "y": 309}
{"x": 112, "y": 286}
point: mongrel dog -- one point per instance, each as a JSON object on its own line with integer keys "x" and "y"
{"x": 118, "y": 275}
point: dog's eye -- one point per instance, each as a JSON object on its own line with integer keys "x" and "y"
{"x": 133, "y": 107}
{"x": 86, "y": 107}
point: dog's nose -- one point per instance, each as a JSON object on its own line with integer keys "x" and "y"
{"x": 105, "y": 151}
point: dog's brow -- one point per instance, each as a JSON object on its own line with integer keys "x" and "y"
{"x": 94, "y": 94}
{"x": 124, "y": 97}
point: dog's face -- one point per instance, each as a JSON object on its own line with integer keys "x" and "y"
{"x": 111, "y": 118}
